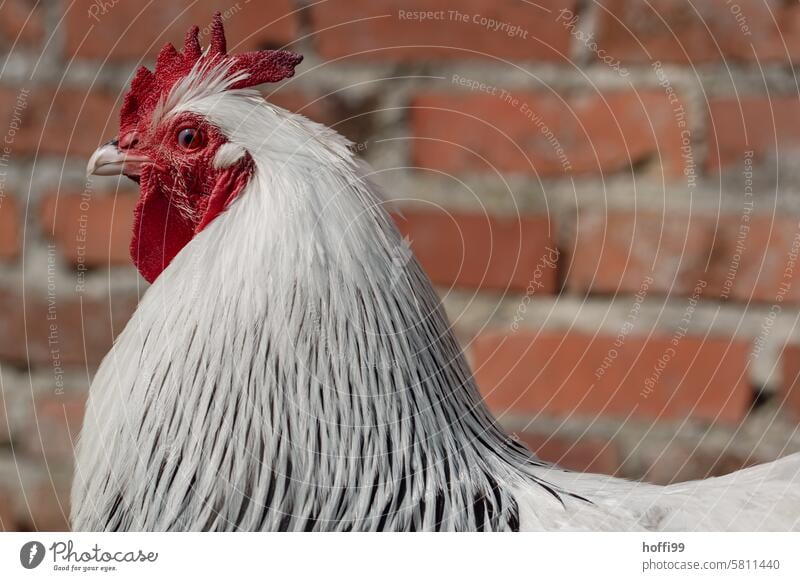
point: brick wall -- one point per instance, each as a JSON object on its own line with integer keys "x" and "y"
{"x": 604, "y": 193}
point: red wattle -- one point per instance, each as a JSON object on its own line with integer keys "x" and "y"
{"x": 229, "y": 184}
{"x": 159, "y": 233}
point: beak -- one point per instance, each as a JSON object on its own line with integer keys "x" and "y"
{"x": 110, "y": 160}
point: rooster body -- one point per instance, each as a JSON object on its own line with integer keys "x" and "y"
{"x": 286, "y": 372}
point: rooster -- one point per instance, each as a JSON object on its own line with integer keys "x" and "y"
{"x": 285, "y": 372}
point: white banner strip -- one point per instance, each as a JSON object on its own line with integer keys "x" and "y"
{"x": 330, "y": 557}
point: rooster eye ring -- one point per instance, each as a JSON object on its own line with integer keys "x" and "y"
{"x": 190, "y": 138}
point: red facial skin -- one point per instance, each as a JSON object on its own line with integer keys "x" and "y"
{"x": 181, "y": 190}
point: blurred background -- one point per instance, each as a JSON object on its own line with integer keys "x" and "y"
{"x": 605, "y": 193}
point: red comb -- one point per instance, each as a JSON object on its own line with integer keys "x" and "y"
{"x": 263, "y": 66}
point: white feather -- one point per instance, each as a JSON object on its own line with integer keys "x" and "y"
{"x": 227, "y": 155}
{"x": 761, "y": 498}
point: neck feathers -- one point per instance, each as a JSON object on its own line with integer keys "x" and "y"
{"x": 295, "y": 371}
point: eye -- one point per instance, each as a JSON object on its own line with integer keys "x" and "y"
{"x": 190, "y": 138}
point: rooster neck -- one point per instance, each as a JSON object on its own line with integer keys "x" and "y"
{"x": 290, "y": 370}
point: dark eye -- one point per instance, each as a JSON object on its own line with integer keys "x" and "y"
{"x": 190, "y": 138}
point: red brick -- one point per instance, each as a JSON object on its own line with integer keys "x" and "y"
{"x": 5, "y": 430}
{"x": 378, "y": 30}
{"x": 317, "y": 109}
{"x": 765, "y": 265}
{"x": 355, "y": 117}
{"x": 84, "y": 329}
{"x": 563, "y": 374}
{"x": 16, "y": 401}
{"x": 479, "y": 251}
{"x": 8, "y": 521}
{"x": 49, "y": 506}
{"x": 54, "y": 427}
{"x": 21, "y": 24}
{"x": 595, "y": 134}
{"x": 614, "y": 251}
{"x": 591, "y": 455}
{"x": 790, "y": 368}
{"x": 130, "y": 30}
{"x": 10, "y": 218}
{"x": 757, "y": 124}
{"x": 95, "y": 229}
{"x": 67, "y": 121}
{"x": 9, "y": 507}
{"x": 706, "y": 32}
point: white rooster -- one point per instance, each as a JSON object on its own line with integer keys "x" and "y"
{"x": 285, "y": 372}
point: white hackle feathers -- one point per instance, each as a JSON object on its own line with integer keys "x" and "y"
{"x": 228, "y": 154}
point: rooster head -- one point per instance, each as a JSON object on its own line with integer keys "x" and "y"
{"x": 187, "y": 168}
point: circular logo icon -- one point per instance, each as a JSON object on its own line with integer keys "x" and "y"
{"x": 31, "y": 554}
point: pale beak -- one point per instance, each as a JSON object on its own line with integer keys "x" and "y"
{"x": 110, "y": 160}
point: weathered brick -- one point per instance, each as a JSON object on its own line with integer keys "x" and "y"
{"x": 449, "y": 29}
{"x": 54, "y": 426}
{"x": 587, "y": 454}
{"x": 708, "y": 31}
{"x": 49, "y": 506}
{"x": 750, "y": 126}
{"x": 566, "y": 374}
{"x": 729, "y": 256}
{"x": 790, "y": 368}
{"x": 21, "y": 24}
{"x": 8, "y": 520}
{"x": 10, "y": 218}
{"x": 94, "y": 229}
{"x": 615, "y": 251}
{"x": 60, "y": 330}
{"x": 542, "y": 134}
{"x": 481, "y": 251}
{"x": 130, "y": 30}
{"x": 314, "y": 107}
{"x": 355, "y": 117}
{"x": 5, "y": 429}
{"x": 59, "y": 122}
